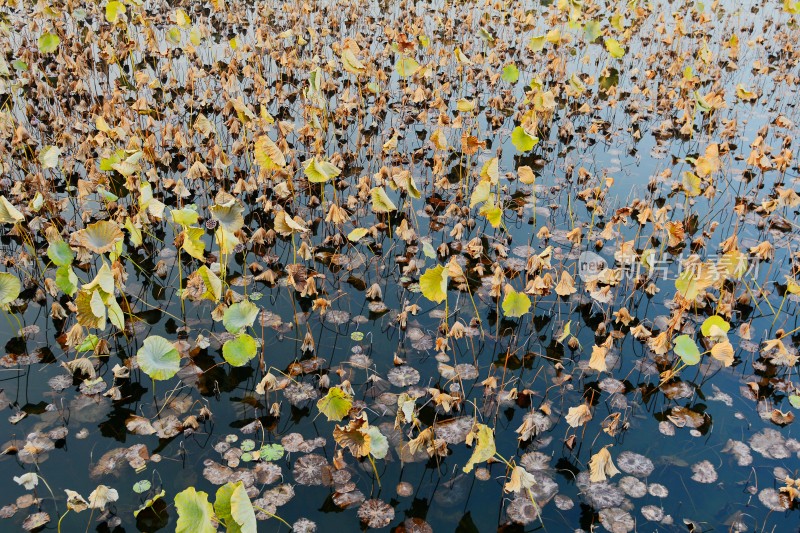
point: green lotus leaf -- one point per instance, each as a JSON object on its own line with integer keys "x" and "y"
{"x": 240, "y": 315}
{"x": 10, "y": 287}
{"x": 158, "y": 358}
{"x": 239, "y": 350}
{"x": 195, "y": 513}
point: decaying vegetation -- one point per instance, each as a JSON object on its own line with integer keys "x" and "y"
{"x": 267, "y": 260}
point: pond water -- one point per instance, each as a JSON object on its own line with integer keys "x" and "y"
{"x": 624, "y": 288}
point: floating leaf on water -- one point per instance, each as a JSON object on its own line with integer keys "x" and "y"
{"x": 635, "y": 464}
{"x": 522, "y": 510}
{"x": 772, "y": 499}
{"x": 617, "y": 520}
{"x": 704, "y": 472}
{"x": 403, "y": 376}
{"x": 337, "y": 317}
{"x": 35, "y": 521}
{"x": 158, "y": 358}
{"x": 271, "y": 452}
{"x": 278, "y": 496}
{"x": 310, "y": 470}
{"x": 657, "y": 490}
{"x": 633, "y": 487}
{"x": 770, "y": 444}
{"x": 240, "y": 350}
{"x": 266, "y": 473}
{"x": 142, "y": 486}
{"x": 376, "y": 513}
{"x": 653, "y": 513}
{"x": 240, "y": 315}
{"x": 298, "y": 393}
{"x": 740, "y": 451}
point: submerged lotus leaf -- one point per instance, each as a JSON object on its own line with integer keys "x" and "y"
{"x": 195, "y": 513}
{"x": 100, "y": 237}
{"x": 158, "y": 358}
